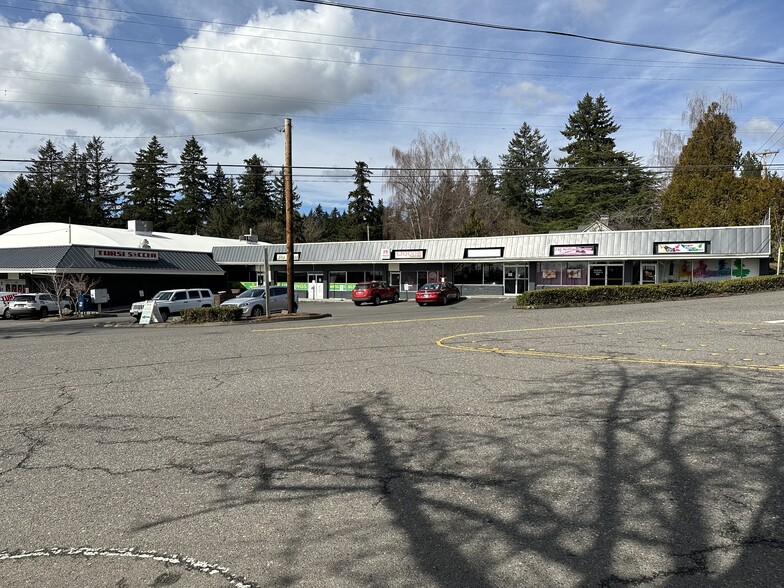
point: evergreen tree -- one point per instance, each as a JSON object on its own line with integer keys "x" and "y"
{"x": 74, "y": 178}
{"x": 104, "y": 190}
{"x": 20, "y": 205}
{"x": 750, "y": 166}
{"x": 54, "y": 202}
{"x": 523, "y": 178}
{"x": 704, "y": 190}
{"x": 149, "y": 189}
{"x": 224, "y": 217}
{"x": 593, "y": 177}
{"x": 192, "y": 209}
{"x": 361, "y": 208}
{"x": 255, "y": 192}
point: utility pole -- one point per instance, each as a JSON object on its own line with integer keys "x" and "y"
{"x": 764, "y": 155}
{"x": 287, "y": 186}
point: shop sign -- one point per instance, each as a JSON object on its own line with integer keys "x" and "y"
{"x": 126, "y": 254}
{"x": 408, "y": 254}
{"x": 681, "y": 247}
{"x": 284, "y": 256}
{"x": 386, "y": 253}
{"x": 484, "y": 252}
{"x": 573, "y": 250}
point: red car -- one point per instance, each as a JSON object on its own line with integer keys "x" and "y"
{"x": 437, "y": 293}
{"x": 374, "y": 292}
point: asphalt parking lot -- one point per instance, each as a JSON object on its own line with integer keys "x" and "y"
{"x": 467, "y": 445}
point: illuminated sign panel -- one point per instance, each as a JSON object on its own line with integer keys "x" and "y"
{"x": 483, "y": 252}
{"x": 573, "y": 250}
{"x": 284, "y": 256}
{"x": 681, "y": 247}
{"x": 126, "y": 254}
{"x": 408, "y": 254}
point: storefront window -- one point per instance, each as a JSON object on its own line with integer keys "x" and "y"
{"x": 337, "y": 277}
{"x": 493, "y": 273}
{"x": 468, "y": 273}
{"x": 576, "y": 274}
{"x": 550, "y": 273}
{"x": 355, "y": 277}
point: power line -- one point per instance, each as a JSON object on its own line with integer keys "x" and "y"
{"x": 540, "y": 31}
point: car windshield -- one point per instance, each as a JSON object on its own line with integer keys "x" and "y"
{"x": 431, "y": 287}
{"x": 165, "y": 295}
{"x": 252, "y": 293}
{"x": 24, "y": 298}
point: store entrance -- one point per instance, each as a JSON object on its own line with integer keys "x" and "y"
{"x": 606, "y": 274}
{"x": 515, "y": 279}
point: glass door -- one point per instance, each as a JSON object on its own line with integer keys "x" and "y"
{"x": 515, "y": 279}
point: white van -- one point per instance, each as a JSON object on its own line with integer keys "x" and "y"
{"x": 5, "y": 301}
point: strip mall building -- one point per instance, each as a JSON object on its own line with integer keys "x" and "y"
{"x": 135, "y": 263}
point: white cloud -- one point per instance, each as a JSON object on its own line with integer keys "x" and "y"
{"x": 589, "y": 6}
{"x": 50, "y": 66}
{"x": 93, "y": 15}
{"x": 530, "y": 96}
{"x": 222, "y": 78}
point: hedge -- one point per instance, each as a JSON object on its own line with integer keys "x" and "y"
{"x": 583, "y": 295}
{"x": 212, "y": 314}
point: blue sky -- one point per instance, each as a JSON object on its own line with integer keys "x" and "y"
{"x": 357, "y": 83}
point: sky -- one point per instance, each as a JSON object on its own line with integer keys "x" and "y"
{"x": 358, "y": 83}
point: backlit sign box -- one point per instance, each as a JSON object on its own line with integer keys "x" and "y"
{"x": 408, "y": 254}
{"x": 681, "y": 247}
{"x": 284, "y": 256}
{"x": 573, "y": 250}
{"x": 484, "y": 252}
{"x": 126, "y": 254}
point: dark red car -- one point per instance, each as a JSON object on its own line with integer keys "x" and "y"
{"x": 374, "y": 292}
{"x": 437, "y": 293}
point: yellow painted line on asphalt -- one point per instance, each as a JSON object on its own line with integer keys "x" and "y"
{"x": 370, "y": 323}
{"x": 584, "y": 357}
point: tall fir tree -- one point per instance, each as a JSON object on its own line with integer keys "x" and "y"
{"x": 361, "y": 207}
{"x": 224, "y": 217}
{"x": 704, "y": 190}
{"x": 149, "y": 189}
{"x": 524, "y": 179}
{"x": 74, "y": 178}
{"x": 279, "y": 205}
{"x": 20, "y": 205}
{"x": 255, "y": 193}
{"x": 54, "y": 202}
{"x": 594, "y": 178}
{"x": 191, "y": 210}
{"x": 104, "y": 189}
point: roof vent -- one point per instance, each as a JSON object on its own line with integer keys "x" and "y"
{"x": 145, "y": 244}
{"x": 140, "y": 227}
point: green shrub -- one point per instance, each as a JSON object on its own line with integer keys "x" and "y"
{"x": 583, "y": 295}
{"x": 212, "y": 314}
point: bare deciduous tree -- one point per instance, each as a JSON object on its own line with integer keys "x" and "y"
{"x": 430, "y": 189}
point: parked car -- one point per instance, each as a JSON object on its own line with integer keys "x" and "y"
{"x": 39, "y": 305}
{"x": 253, "y": 301}
{"x": 5, "y": 302}
{"x": 437, "y": 293}
{"x": 172, "y": 302}
{"x": 374, "y": 292}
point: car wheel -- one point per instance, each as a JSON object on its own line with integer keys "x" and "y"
{"x": 136, "y": 318}
{"x": 44, "y": 312}
{"x": 443, "y": 300}
{"x": 396, "y": 297}
{"x": 6, "y": 313}
{"x": 357, "y": 303}
{"x": 164, "y": 314}
{"x": 256, "y": 311}
{"x": 376, "y": 300}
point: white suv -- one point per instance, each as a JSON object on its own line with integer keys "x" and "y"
{"x": 40, "y": 305}
{"x": 171, "y": 302}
